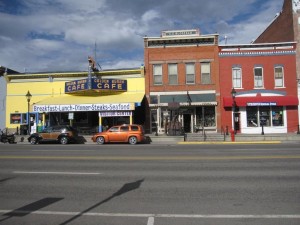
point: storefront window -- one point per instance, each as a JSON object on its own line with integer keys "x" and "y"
{"x": 264, "y": 115}
{"x": 15, "y": 118}
{"x": 277, "y": 114}
{"x": 205, "y": 116}
{"x": 252, "y": 117}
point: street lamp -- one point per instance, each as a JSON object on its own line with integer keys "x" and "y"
{"x": 233, "y": 94}
{"x": 28, "y": 97}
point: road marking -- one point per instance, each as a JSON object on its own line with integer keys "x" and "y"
{"x": 150, "y": 221}
{"x": 151, "y": 158}
{"x": 58, "y": 173}
{"x": 151, "y": 217}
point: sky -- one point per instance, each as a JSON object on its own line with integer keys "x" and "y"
{"x": 59, "y": 35}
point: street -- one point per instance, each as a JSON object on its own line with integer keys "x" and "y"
{"x": 150, "y": 184}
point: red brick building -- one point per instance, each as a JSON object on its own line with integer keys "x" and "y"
{"x": 182, "y": 83}
{"x": 264, "y": 79}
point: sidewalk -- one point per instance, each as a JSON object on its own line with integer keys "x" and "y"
{"x": 164, "y": 139}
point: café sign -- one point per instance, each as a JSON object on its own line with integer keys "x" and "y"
{"x": 95, "y": 84}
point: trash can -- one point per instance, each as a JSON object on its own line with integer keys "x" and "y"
{"x": 23, "y": 129}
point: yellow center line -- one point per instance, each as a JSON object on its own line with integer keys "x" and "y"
{"x": 152, "y": 158}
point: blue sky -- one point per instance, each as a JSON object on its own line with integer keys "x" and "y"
{"x": 59, "y": 35}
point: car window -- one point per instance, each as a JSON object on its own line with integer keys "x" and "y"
{"x": 134, "y": 128}
{"x": 124, "y": 128}
{"x": 48, "y": 129}
{"x": 114, "y": 129}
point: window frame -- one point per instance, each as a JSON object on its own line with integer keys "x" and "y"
{"x": 235, "y": 79}
{"x": 282, "y": 76}
{"x": 189, "y": 74}
{"x": 203, "y": 80}
{"x": 156, "y": 76}
{"x": 172, "y": 76}
{"x": 256, "y": 76}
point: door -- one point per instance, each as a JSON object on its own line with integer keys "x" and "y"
{"x": 187, "y": 123}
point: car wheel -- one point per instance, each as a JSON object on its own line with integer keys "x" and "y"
{"x": 100, "y": 140}
{"x": 64, "y": 140}
{"x": 132, "y": 140}
{"x": 33, "y": 141}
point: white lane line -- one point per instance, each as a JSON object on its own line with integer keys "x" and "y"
{"x": 150, "y": 221}
{"x": 152, "y": 216}
{"x": 56, "y": 173}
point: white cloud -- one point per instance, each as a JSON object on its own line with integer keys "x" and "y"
{"x": 60, "y": 34}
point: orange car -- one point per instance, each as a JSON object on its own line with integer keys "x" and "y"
{"x": 132, "y": 134}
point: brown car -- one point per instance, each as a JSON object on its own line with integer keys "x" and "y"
{"x": 63, "y": 134}
{"x": 131, "y": 134}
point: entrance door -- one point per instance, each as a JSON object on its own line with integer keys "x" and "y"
{"x": 187, "y": 123}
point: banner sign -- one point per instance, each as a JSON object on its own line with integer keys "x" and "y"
{"x": 261, "y": 104}
{"x": 83, "y": 107}
{"x": 95, "y": 84}
{"x": 116, "y": 113}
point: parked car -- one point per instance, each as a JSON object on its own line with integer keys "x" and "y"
{"x": 63, "y": 134}
{"x": 131, "y": 134}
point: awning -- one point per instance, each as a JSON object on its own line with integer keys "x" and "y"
{"x": 90, "y": 103}
{"x": 262, "y": 101}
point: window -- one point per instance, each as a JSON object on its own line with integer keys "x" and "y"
{"x": 237, "y": 77}
{"x": 264, "y": 115}
{"x": 157, "y": 74}
{"x": 190, "y": 73}
{"x": 252, "y": 116}
{"x": 124, "y": 128}
{"x": 173, "y": 77}
{"x": 278, "y": 71}
{"x": 205, "y": 73}
{"x": 15, "y": 118}
{"x": 258, "y": 77}
{"x": 277, "y": 114}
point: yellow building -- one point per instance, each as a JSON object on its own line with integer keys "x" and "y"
{"x": 89, "y": 101}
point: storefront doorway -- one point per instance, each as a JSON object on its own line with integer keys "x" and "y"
{"x": 187, "y": 123}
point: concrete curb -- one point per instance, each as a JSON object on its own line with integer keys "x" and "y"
{"x": 228, "y": 143}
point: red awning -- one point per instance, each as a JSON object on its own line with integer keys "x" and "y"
{"x": 261, "y": 101}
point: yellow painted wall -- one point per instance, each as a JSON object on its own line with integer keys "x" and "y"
{"x": 42, "y": 89}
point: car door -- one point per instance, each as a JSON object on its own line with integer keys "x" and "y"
{"x": 123, "y": 137}
{"x": 56, "y": 131}
{"x": 46, "y": 133}
{"x": 113, "y": 134}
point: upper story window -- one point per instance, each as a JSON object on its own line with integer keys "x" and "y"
{"x": 237, "y": 77}
{"x": 278, "y": 73}
{"x": 173, "y": 75}
{"x": 258, "y": 77}
{"x": 157, "y": 74}
{"x": 205, "y": 73}
{"x": 190, "y": 73}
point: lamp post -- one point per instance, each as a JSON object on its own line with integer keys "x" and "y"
{"x": 28, "y": 97}
{"x": 233, "y": 94}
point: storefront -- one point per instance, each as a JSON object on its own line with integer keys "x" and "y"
{"x": 175, "y": 113}
{"x": 259, "y": 114}
{"x": 89, "y": 103}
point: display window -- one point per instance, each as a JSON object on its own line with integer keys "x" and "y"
{"x": 264, "y": 116}
{"x": 18, "y": 118}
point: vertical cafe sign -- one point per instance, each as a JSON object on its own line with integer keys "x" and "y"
{"x": 97, "y": 84}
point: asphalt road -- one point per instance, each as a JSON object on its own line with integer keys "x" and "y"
{"x": 150, "y": 184}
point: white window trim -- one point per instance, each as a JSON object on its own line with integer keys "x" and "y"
{"x": 262, "y": 76}
{"x": 283, "y": 84}
{"x": 241, "y": 79}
